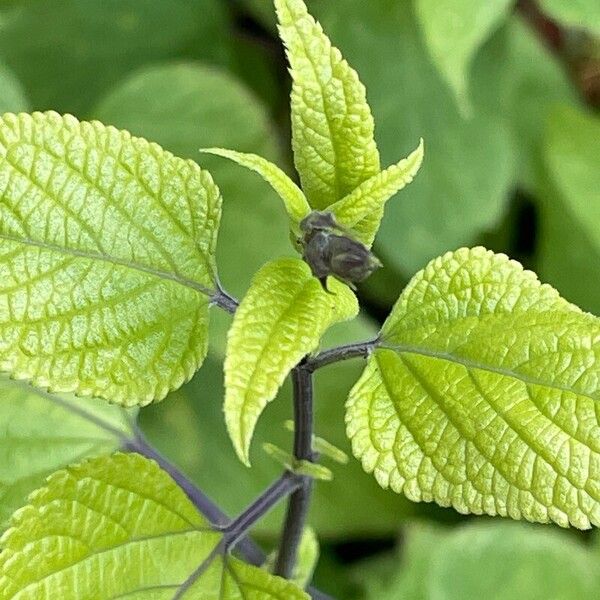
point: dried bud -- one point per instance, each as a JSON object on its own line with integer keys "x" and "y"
{"x": 318, "y": 221}
{"x": 328, "y": 253}
{"x": 350, "y": 260}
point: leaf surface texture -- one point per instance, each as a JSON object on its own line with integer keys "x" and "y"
{"x": 119, "y": 527}
{"x": 484, "y": 395}
{"x": 106, "y": 259}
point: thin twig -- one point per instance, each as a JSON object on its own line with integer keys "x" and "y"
{"x": 247, "y": 548}
{"x": 333, "y": 355}
{"x": 299, "y": 501}
{"x": 281, "y": 488}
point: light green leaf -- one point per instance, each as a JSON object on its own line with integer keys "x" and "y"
{"x": 281, "y": 319}
{"x": 569, "y": 184}
{"x": 308, "y": 556}
{"x": 470, "y": 166}
{"x": 184, "y": 106}
{"x": 295, "y": 202}
{"x": 584, "y": 14}
{"x": 299, "y": 467}
{"x": 356, "y": 209}
{"x": 12, "y": 95}
{"x": 107, "y": 267}
{"x": 97, "y": 532}
{"x": 322, "y": 446}
{"x": 67, "y": 52}
{"x": 41, "y": 432}
{"x": 454, "y": 31}
{"x": 483, "y": 395}
{"x": 332, "y": 126}
{"x": 518, "y": 560}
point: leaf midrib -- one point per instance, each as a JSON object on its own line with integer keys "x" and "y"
{"x": 471, "y": 364}
{"x": 96, "y": 256}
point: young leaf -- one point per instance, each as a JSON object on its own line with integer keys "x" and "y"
{"x": 332, "y": 126}
{"x": 299, "y": 467}
{"x": 454, "y": 30}
{"x": 470, "y": 162}
{"x": 96, "y": 531}
{"x": 41, "y": 432}
{"x": 355, "y": 210}
{"x": 322, "y": 446}
{"x": 308, "y": 556}
{"x": 295, "y": 202}
{"x": 107, "y": 267}
{"x": 281, "y": 318}
{"x": 483, "y": 395}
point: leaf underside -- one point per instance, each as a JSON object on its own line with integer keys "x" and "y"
{"x": 106, "y": 259}
{"x": 484, "y": 395}
{"x": 281, "y": 318}
{"x": 294, "y": 200}
{"x": 97, "y": 533}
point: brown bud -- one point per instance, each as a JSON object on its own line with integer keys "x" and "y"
{"x": 328, "y": 253}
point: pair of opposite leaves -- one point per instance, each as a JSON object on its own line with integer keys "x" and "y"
{"x": 481, "y": 393}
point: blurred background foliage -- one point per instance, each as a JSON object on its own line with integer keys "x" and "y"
{"x": 506, "y": 95}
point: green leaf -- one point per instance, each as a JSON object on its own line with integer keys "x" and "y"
{"x": 356, "y": 209}
{"x": 299, "y": 467}
{"x": 322, "y": 446}
{"x": 308, "y": 556}
{"x": 570, "y": 244}
{"x": 519, "y": 561}
{"x": 295, "y": 202}
{"x": 281, "y": 318}
{"x": 470, "y": 166}
{"x": 454, "y": 31}
{"x": 106, "y": 259}
{"x": 483, "y": 395}
{"x": 67, "y": 52}
{"x": 12, "y": 95}
{"x": 584, "y": 14}
{"x": 41, "y": 432}
{"x": 184, "y": 106}
{"x": 95, "y": 531}
{"x": 332, "y": 126}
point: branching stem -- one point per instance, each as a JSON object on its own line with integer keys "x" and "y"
{"x": 223, "y": 300}
{"x": 299, "y": 488}
{"x": 247, "y": 548}
{"x": 280, "y": 489}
